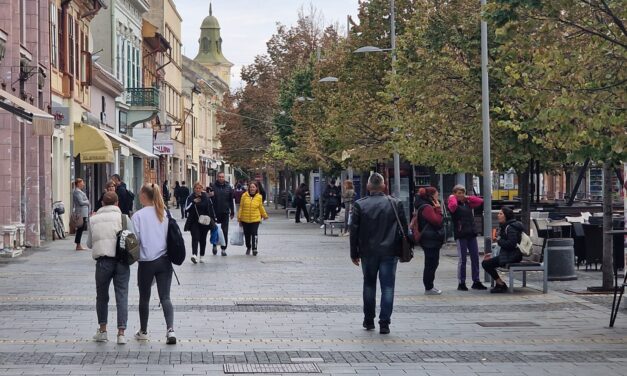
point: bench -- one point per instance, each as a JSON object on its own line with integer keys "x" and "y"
{"x": 289, "y": 211}
{"x": 332, "y": 225}
{"x": 524, "y": 267}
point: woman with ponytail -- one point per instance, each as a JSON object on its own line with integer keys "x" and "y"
{"x": 151, "y": 228}
{"x": 429, "y": 215}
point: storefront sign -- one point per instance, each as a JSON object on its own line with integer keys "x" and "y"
{"x": 61, "y": 115}
{"x": 164, "y": 148}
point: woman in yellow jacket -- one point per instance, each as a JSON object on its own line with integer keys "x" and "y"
{"x": 251, "y": 211}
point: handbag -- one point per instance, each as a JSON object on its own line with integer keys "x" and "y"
{"x": 203, "y": 219}
{"x": 407, "y": 253}
{"x": 77, "y": 220}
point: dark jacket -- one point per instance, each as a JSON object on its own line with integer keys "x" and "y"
{"x": 510, "y": 234}
{"x": 166, "y": 192}
{"x": 262, "y": 191}
{"x": 204, "y": 207}
{"x": 300, "y": 198}
{"x": 430, "y": 224}
{"x": 374, "y": 230}
{"x": 124, "y": 199}
{"x": 177, "y": 192}
{"x": 463, "y": 216}
{"x": 223, "y": 201}
{"x": 332, "y": 195}
{"x": 238, "y": 193}
{"x": 183, "y": 193}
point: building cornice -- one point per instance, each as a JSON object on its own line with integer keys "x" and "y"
{"x": 106, "y": 81}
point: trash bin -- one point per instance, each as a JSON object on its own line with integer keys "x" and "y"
{"x": 560, "y": 253}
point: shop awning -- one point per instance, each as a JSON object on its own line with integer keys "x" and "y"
{"x": 92, "y": 144}
{"x": 43, "y": 122}
{"x": 135, "y": 149}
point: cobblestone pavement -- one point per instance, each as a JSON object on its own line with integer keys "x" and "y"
{"x": 296, "y": 309}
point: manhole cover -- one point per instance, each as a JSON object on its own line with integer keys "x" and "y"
{"x": 271, "y": 368}
{"x": 507, "y": 324}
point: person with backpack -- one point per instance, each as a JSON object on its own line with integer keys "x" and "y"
{"x": 198, "y": 207}
{"x": 125, "y": 196}
{"x": 109, "y": 187}
{"x": 429, "y": 216}
{"x": 151, "y": 229}
{"x": 509, "y": 236}
{"x": 251, "y": 212}
{"x": 102, "y": 239}
{"x": 461, "y": 208}
{"x": 224, "y": 205}
{"x": 183, "y": 195}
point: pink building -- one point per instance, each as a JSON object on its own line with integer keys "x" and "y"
{"x": 25, "y": 125}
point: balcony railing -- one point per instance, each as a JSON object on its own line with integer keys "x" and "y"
{"x": 142, "y": 97}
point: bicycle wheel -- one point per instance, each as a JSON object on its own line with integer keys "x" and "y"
{"x": 59, "y": 228}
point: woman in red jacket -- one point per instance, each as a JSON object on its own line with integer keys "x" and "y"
{"x": 429, "y": 215}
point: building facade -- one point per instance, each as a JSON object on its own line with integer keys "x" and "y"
{"x": 25, "y": 123}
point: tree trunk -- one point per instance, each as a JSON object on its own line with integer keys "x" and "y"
{"x": 608, "y": 259}
{"x": 523, "y": 184}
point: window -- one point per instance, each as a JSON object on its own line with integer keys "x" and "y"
{"x": 22, "y": 5}
{"x": 54, "y": 37}
{"x": 70, "y": 37}
{"x": 138, "y": 69}
{"x": 129, "y": 65}
{"x": 62, "y": 42}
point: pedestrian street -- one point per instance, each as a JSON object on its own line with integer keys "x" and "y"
{"x": 296, "y": 308}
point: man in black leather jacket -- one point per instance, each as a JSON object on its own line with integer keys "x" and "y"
{"x": 224, "y": 206}
{"x": 375, "y": 241}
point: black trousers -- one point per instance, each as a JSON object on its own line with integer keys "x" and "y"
{"x": 330, "y": 212}
{"x": 223, "y": 220}
{"x": 301, "y": 207}
{"x": 250, "y": 234}
{"x": 79, "y": 231}
{"x": 199, "y": 236}
{"x": 432, "y": 261}
{"x": 490, "y": 265}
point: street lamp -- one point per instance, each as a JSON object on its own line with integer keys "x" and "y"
{"x": 485, "y": 119}
{"x": 366, "y": 49}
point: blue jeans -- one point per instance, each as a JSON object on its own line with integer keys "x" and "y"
{"x": 468, "y": 246}
{"x": 109, "y": 269}
{"x": 385, "y": 267}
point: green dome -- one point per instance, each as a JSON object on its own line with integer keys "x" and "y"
{"x": 210, "y": 23}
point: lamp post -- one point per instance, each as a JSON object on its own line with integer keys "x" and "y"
{"x": 485, "y": 118}
{"x": 397, "y": 163}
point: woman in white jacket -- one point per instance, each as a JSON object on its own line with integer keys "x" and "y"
{"x": 151, "y": 228}
{"x": 102, "y": 239}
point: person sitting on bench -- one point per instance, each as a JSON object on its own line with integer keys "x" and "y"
{"x": 509, "y": 236}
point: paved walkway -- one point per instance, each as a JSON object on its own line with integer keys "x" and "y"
{"x": 297, "y": 308}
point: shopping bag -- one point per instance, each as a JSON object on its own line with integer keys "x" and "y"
{"x": 221, "y": 240}
{"x": 215, "y": 238}
{"x": 236, "y": 237}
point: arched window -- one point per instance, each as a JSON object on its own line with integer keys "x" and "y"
{"x": 205, "y": 45}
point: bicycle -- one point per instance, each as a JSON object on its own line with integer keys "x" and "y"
{"x": 58, "y": 209}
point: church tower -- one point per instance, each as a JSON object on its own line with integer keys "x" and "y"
{"x": 210, "y": 48}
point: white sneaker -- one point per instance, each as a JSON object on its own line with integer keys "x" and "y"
{"x": 201, "y": 259}
{"x": 194, "y": 259}
{"x": 170, "y": 337}
{"x": 100, "y": 336}
{"x": 141, "y": 336}
{"x": 433, "y": 291}
{"x": 121, "y": 339}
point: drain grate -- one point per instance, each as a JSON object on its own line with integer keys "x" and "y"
{"x": 507, "y": 324}
{"x": 268, "y": 303}
{"x": 271, "y": 368}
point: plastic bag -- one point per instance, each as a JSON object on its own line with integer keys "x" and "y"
{"x": 236, "y": 237}
{"x": 217, "y": 236}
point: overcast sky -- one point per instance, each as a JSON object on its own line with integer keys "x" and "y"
{"x": 248, "y": 24}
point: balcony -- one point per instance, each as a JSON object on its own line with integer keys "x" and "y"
{"x": 142, "y": 97}
{"x": 144, "y": 105}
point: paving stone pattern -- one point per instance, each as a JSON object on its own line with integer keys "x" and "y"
{"x": 299, "y": 303}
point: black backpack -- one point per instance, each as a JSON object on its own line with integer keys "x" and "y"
{"x": 175, "y": 243}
